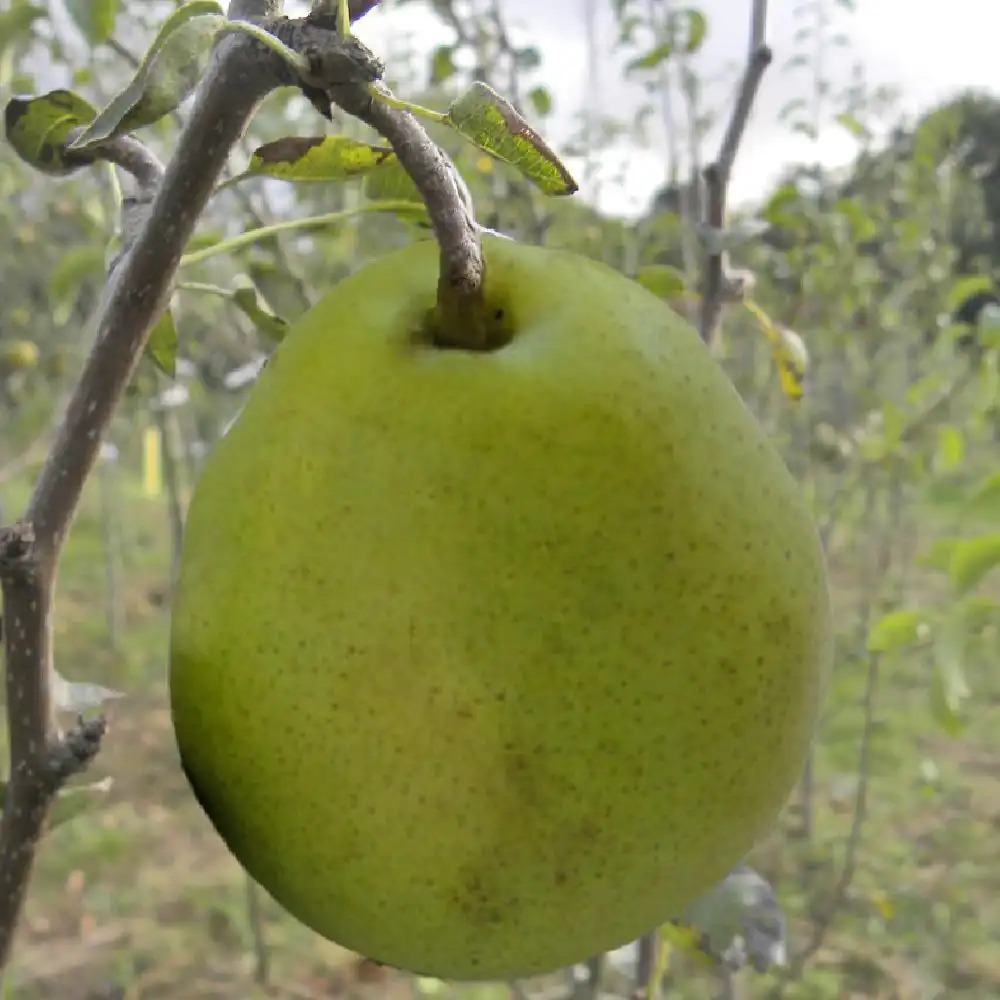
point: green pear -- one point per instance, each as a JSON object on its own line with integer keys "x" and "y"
{"x": 483, "y": 662}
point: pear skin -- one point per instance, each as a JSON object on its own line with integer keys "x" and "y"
{"x": 486, "y": 662}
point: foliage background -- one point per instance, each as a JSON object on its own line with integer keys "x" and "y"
{"x": 885, "y": 860}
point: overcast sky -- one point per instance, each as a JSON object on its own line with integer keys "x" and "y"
{"x": 925, "y": 48}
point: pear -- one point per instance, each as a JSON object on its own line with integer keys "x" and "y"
{"x": 484, "y": 662}
{"x": 18, "y": 354}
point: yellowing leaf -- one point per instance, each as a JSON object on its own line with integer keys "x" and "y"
{"x": 883, "y": 904}
{"x": 791, "y": 357}
{"x": 493, "y": 124}
{"x": 324, "y": 158}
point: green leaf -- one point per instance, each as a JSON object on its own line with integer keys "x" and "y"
{"x": 896, "y": 630}
{"x": 162, "y": 344}
{"x": 168, "y": 75}
{"x": 492, "y": 123}
{"x": 985, "y": 497}
{"x": 853, "y": 125}
{"x": 662, "y": 280}
{"x": 528, "y": 58}
{"x": 863, "y": 226}
{"x": 37, "y": 128}
{"x": 17, "y": 22}
{"x": 443, "y": 63}
{"x": 939, "y": 555}
{"x": 627, "y": 27}
{"x": 95, "y": 18}
{"x": 686, "y": 32}
{"x": 74, "y": 267}
{"x": 965, "y": 287}
{"x": 324, "y": 158}
{"x": 541, "y": 100}
{"x": 253, "y": 305}
{"x": 697, "y": 28}
{"x": 281, "y": 289}
{"x": 977, "y": 610}
{"x": 651, "y": 59}
{"x": 893, "y": 425}
{"x": 950, "y": 448}
{"x": 972, "y": 559}
{"x": 949, "y": 688}
{"x": 390, "y": 182}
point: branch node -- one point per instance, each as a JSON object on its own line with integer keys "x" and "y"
{"x": 18, "y": 553}
{"x": 716, "y": 290}
{"x": 73, "y": 752}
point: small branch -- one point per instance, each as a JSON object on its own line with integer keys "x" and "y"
{"x": 461, "y": 320}
{"x": 231, "y": 90}
{"x": 877, "y": 572}
{"x": 255, "y": 918}
{"x": 42, "y": 757}
{"x": 135, "y": 158}
{"x": 41, "y": 760}
{"x": 157, "y": 224}
{"x": 462, "y": 266}
{"x": 716, "y": 287}
{"x": 645, "y": 964}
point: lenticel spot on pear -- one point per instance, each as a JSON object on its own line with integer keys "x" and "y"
{"x": 484, "y": 662}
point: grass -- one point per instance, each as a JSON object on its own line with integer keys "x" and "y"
{"x": 137, "y": 898}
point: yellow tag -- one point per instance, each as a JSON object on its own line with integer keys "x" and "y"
{"x": 883, "y": 904}
{"x": 485, "y": 164}
{"x": 152, "y": 463}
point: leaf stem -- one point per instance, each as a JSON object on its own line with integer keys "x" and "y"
{"x": 288, "y": 225}
{"x": 391, "y": 101}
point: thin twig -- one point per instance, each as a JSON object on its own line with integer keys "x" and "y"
{"x": 716, "y": 288}
{"x": 876, "y": 574}
{"x": 255, "y": 917}
{"x": 239, "y": 193}
{"x": 135, "y": 158}
{"x": 462, "y": 266}
{"x": 645, "y": 965}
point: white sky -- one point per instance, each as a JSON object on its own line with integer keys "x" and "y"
{"x": 928, "y": 50}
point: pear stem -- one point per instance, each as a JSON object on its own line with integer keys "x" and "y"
{"x": 461, "y": 313}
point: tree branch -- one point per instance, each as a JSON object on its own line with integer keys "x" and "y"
{"x": 42, "y": 757}
{"x": 460, "y": 282}
{"x": 717, "y": 286}
{"x": 157, "y": 224}
{"x": 135, "y": 158}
